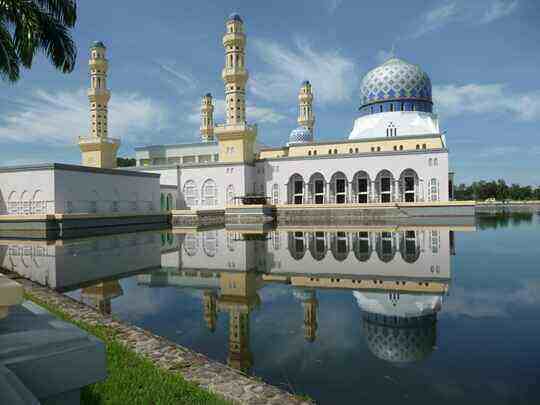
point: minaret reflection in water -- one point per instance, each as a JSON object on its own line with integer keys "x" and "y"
{"x": 397, "y": 277}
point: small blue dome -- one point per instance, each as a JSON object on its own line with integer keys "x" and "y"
{"x": 395, "y": 79}
{"x": 300, "y": 135}
{"x": 305, "y": 82}
{"x": 98, "y": 44}
{"x": 208, "y": 95}
{"x": 235, "y": 17}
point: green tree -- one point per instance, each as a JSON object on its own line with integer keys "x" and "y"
{"x": 125, "y": 162}
{"x": 29, "y": 26}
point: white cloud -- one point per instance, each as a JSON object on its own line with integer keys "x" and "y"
{"x": 498, "y": 9}
{"x": 59, "y": 118}
{"x": 254, "y": 114}
{"x": 332, "y": 75}
{"x": 181, "y": 81}
{"x": 453, "y": 100}
{"x": 474, "y": 12}
{"x": 436, "y": 18}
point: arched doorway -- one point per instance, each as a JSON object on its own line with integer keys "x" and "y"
{"x": 296, "y": 189}
{"x": 384, "y": 185}
{"x": 339, "y": 188}
{"x": 408, "y": 185}
{"x": 318, "y": 245}
{"x": 361, "y": 187}
{"x": 386, "y": 247}
{"x": 209, "y": 193}
{"x": 362, "y": 246}
{"x": 339, "y": 244}
{"x": 297, "y": 245}
{"x": 317, "y": 189}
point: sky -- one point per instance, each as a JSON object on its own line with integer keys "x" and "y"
{"x": 482, "y": 56}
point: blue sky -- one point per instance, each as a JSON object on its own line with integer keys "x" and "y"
{"x": 482, "y": 57}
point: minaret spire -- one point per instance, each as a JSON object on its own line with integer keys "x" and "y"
{"x": 207, "y": 118}
{"x": 98, "y": 149}
{"x": 236, "y": 138}
{"x": 235, "y": 74}
{"x": 98, "y": 94}
{"x": 305, "y": 106}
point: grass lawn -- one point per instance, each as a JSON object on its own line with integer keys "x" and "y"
{"x": 132, "y": 378}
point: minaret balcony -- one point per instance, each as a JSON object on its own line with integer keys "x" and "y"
{"x": 234, "y": 38}
{"x": 89, "y": 140}
{"x": 98, "y": 64}
{"x": 231, "y": 75}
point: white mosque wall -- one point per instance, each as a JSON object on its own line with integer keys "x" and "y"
{"x": 280, "y": 254}
{"x": 60, "y": 189}
{"x": 428, "y": 166}
{"x": 75, "y": 263}
{"x": 214, "y": 186}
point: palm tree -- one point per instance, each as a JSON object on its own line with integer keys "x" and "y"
{"x": 29, "y": 26}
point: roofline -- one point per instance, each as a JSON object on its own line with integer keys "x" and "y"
{"x": 357, "y": 155}
{"x": 137, "y": 148}
{"x": 74, "y": 168}
{"x": 377, "y": 139}
{"x": 399, "y": 100}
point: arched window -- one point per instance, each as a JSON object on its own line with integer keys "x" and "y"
{"x": 381, "y": 108}
{"x": 191, "y": 244}
{"x": 209, "y": 193}
{"x": 339, "y": 188}
{"x": 434, "y": 189}
{"x": 230, "y": 194}
{"x": 275, "y": 194}
{"x": 435, "y": 162}
{"x": 309, "y": 153}
{"x": 402, "y": 106}
{"x": 335, "y": 151}
{"x": 391, "y": 107}
{"x": 210, "y": 245}
{"x": 190, "y": 193}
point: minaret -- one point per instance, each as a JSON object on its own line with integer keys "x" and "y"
{"x": 210, "y": 309}
{"x": 207, "y": 118}
{"x": 310, "y": 305}
{"x": 305, "y": 107}
{"x": 235, "y": 76}
{"x": 98, "y": 150}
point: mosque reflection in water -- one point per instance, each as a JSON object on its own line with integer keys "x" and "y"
{"x": 397, "y": 277}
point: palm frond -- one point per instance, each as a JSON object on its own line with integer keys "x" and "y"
{"x": 9, "y": 61}
{"x": 64, "y": 11}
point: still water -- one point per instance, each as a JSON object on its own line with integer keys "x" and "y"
{"x": 432, "y": 314}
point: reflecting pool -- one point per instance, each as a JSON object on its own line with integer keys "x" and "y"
{"x": 416, "y": 314}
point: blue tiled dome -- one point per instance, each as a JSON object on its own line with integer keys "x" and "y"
{"x": 235, "y": 17}
{"x": 395, "y": 80}
{"x": 98, "y": 44}
{"x": 300, "y": 135}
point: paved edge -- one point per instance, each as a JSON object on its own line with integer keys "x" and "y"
{"x": 217, "y": 378}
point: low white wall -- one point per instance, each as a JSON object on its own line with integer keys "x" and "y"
{"x": 27, "y": 192}
{"x": 58, "y": 188}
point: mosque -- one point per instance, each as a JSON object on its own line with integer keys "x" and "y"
{"x": 395, "y": 151}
